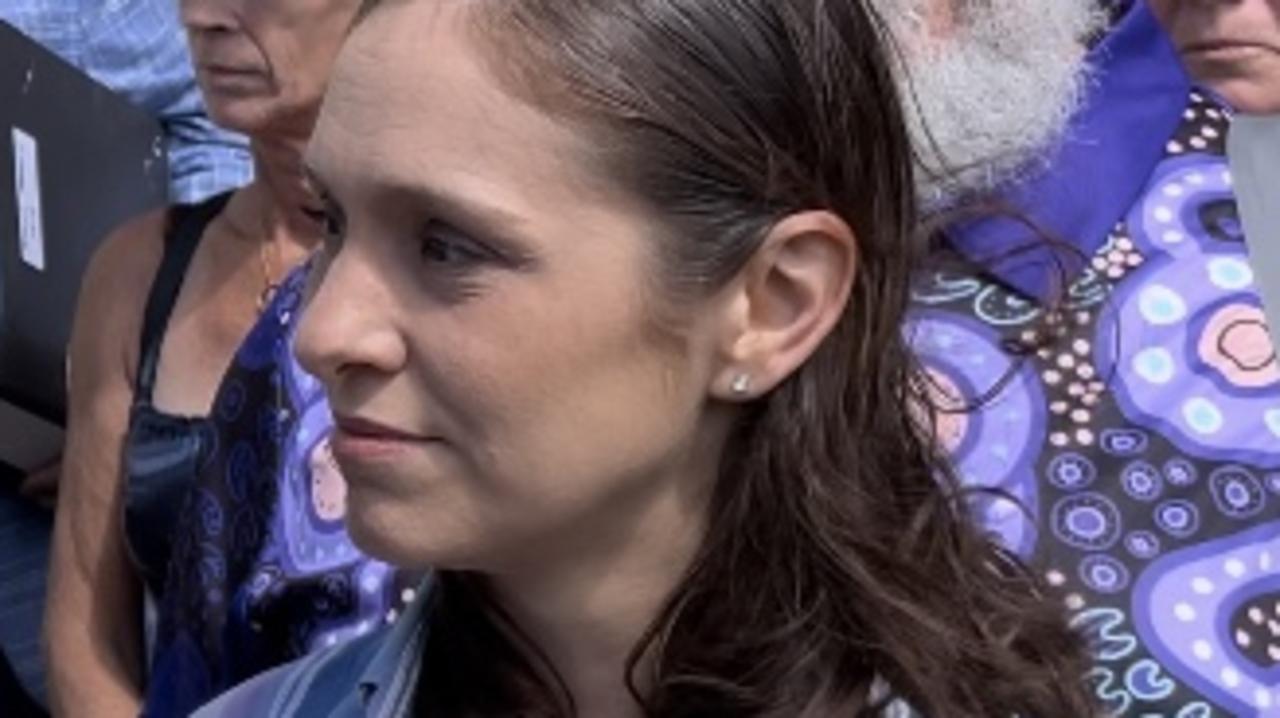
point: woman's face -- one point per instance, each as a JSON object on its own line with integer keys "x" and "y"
{"x": 264, "y": 63}
{"x": 1230, "y": 46}
{"x": 484, "y": 326}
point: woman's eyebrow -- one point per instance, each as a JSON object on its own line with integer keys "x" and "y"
{"x": 486, "y": 220}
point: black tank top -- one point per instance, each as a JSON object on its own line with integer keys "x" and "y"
{"x": 163, "y": 452}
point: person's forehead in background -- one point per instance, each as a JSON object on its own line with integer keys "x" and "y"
{"x": 1230, "y": 46}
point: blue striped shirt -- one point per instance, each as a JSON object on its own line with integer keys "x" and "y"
{"x": 373, "y": 676}
{"x": 138, "y": 48}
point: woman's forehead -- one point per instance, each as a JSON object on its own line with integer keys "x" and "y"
{"x": 388, "y": 91}
{"x": 414, "y": 100}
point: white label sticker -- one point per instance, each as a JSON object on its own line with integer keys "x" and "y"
{"x": 26, "y": 175}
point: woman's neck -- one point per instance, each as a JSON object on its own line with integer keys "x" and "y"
{"x": 273, "y": 207}
{"x": 589, "y": 605}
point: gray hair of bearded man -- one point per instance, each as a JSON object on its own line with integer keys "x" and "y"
{"x": 989, "y": 89}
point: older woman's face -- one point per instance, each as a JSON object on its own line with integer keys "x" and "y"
{"x": 1230, "y": 46}
{"x": 482, "y": 324}
{"x": 263, "y": 64}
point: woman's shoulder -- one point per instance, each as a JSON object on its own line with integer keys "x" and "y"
{"x": 125, "y": 264}
{"x": 113, "y": 292}
{"x": 119, "y": 277}
{"x": 125, "y": 261}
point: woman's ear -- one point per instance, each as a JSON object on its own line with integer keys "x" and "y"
{"x": 787, "y": 299}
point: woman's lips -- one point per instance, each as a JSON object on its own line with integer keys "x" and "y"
{"x": 231, "y": 79}
{"x": 365, "y": 441}
{"x": 1227, "y": 51}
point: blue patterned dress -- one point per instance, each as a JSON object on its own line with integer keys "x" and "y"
{"x": 262, "y": 570}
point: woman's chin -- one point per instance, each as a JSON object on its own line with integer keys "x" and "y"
{"x": 388, "y": 532}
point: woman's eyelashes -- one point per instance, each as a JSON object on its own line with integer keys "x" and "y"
{"x": 440, "y": 245}
{"x": 445, "y": 253}
{"x": 329, "y": 219}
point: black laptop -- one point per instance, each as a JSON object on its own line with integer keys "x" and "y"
{"x": 76, "y": 160}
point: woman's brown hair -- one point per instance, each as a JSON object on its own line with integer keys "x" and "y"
{"x": 840, "y": 568}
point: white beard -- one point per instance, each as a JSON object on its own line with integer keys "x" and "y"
{"x": 989, "y": 101}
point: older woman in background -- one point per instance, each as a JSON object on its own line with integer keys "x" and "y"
{"x": 165, "y": 439}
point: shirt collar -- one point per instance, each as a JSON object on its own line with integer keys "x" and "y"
{"x": 1134, "y": 102}
{"x": 390, "y": 675}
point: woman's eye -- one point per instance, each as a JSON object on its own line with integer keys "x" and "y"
{"x": 318, "y": 215}
{"x": 444, "y": 246}
{"x": 331, "y": 226}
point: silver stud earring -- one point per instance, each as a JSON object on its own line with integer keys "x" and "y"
{"x": 741, "y": 384}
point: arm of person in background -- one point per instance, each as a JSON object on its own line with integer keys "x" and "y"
{"x": 93, "y": 623}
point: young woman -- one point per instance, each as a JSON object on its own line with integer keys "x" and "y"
{"x": 610, "y": 319}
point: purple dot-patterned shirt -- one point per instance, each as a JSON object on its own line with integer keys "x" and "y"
{"x": 1143, "y": 443}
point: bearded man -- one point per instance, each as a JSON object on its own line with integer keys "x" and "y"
{"x": 1096, "y": 338}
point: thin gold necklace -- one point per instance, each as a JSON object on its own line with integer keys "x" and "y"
{"x": 266, "y": 247}
{"x": 269, "y": 285}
